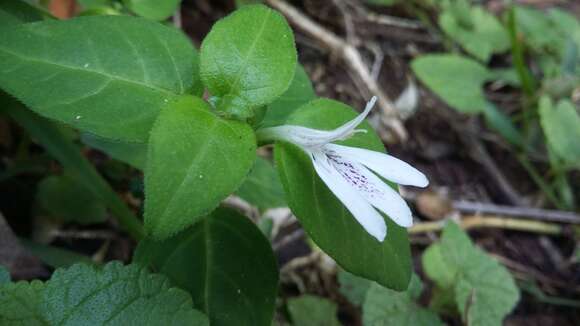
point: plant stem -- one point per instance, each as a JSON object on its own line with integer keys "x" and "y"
{"x": 546, "y": 189}
{"x": 524, "y": 75}
{"x": 68, "y": 154}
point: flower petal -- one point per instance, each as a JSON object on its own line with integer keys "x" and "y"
{"x": 372, "y": 189}
{"x": 313, "y": 138}
{"x": 362, "y": 211}
{"x": 347, "y": 129}
{"x": 387, "y": 166}
{"x": 301, "y": 136}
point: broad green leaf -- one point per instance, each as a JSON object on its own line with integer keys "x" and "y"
{"x": 20, "y": 304}
{"x": 53, "y": 256}
{"x": 456, "y": 80}
{"x": 153, "y": 9}
{"x": 115, "y": 295}
{"x": 324, "y": 217}
{"x": 225, "y": 263}
{"x": 436, "y": 268}
{"x": 539, "y": 30}
{"x": 4, "y": 275}
{"x": 354, "y": 288}
{"x": 134, "y": 154}
{"x": 195, "y": 160}
{"x": 262, "y": 187}
{"x": 14, "y": 12}
{"x": 309, "y": 310}
{"x": 109, "y": 75}
{"x": 65, "y": 198}
{"x": 476, "y": 30}
{"x": 485, "y": 292}
{"x": 387, "y": 307}
{"x": 561, "y": 124}
{"x": 300, "y": 92}
{"x": 248, "y": 58}
{"x": 59, "y": 145}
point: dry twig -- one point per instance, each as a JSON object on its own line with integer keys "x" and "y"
{"x": 351, "y": 56}
{"x": 516, "y": 211}
{"x": 478, "y": 221}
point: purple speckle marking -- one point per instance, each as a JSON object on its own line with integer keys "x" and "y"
{"x": 353, "y": 175}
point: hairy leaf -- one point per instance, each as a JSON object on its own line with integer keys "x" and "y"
{"x": 387, "y": 307}
{"x": 225, "y": 263}
{"x": 484, "y": 291}
{"x": 249, "y": 57}
{"x": 115, "y": 295}
{"x": 195, "y": 160}
{"x": 309, "y": 310}
{"x": 109, "y": 75}
{"x": 20, "y": 304}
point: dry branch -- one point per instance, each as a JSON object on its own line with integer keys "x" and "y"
{"x": 351, "y": 56}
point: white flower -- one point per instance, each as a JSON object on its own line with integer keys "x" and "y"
{"x": 348, "y": 172}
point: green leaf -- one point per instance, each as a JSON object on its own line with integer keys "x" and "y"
{"x": 58, "y": 144}
{"x": 561, "y": 124}
{"x": 66, "y": 198}
{"x": 90, "y": 295}
{"x": 109, "y": 75}
{"x": 540, "y": 30}
{"x": 4, "y": 275}
{"x": 387, "y": 307}
{"x": 309, "y": 310}
{"x": 153, "y": 9}
{"x": 14, "y": 12}
{"x": 195, "y": 160}
{"x": 323, "y": 216}
{"x": 115, "y": 295}
{"x": 476, "y": 30}
{"x": 456, "y": 80}
{"x": 20, "y": 304}
{"x": 248, "y": 58}
{"x": 503, "y": 124}
{"x": 299, "y": 93}
{"x": 262, "y": 187}
{"x": 134, "y": 154}
{"x": 226, "y": 264}
{"x": 53, "y": 256}
{"x": 354, "y": 288}
{"x": 485, "y": 292}
{"x": 436, "y": 269}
